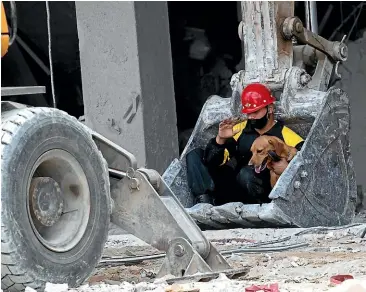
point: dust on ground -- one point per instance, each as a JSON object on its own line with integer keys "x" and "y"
{"x": 304, "y": 269}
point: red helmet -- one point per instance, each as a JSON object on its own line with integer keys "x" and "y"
{"x": 254, "y": 97}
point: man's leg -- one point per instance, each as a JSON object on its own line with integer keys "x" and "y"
{"x": 256, "y": 187}
{"x": 208, "y": 184}
{"x": 227, "y": 189}
{"x": 198, "y": 177}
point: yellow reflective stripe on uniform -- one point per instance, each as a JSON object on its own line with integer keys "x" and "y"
{"x": 290, "y": 137}
{"x": 240, "y": 127}
{"x": 226, "y": 157}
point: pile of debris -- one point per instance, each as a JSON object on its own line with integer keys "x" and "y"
{"x": 221, "y": 284}
{"x": 330, "y": 252}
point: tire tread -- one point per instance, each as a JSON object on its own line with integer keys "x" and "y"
{"x": 15, "y": 279}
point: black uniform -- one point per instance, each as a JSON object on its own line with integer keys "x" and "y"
{"x": 222, "y": 171}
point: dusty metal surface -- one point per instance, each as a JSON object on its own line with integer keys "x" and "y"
{"x": 47, "y": 210}
{"x": 353, "y": 82}
{"x": 311, "y": 16}
{"x": 318, "y": 187}
{"x": 320, "y": 180}
{"x": 267, "y": 55}
{"x": 137, "y": 201}
{"x": 142, "y": 196}
{"x": 324, "y": 54}
{"x": 293, "y": 26}
{"x": 183, "y": 260}
{"x": 117, "y": 157}
{"x": 22, "y": 90}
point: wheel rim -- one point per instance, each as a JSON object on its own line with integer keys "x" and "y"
{"x": 58, "y": 200}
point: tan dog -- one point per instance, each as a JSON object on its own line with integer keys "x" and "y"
{"x": 261, "y": 158}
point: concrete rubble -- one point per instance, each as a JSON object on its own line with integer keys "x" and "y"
{"x": 331, "y": 251}
{"x": 221, "y": 284}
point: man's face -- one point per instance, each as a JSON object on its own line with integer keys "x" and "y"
{"x": 260, "y": 113}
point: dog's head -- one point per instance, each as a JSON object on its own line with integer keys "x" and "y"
{"x": 260, "y": 148}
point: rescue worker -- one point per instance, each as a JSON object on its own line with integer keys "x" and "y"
{"x": 220, "y": 173}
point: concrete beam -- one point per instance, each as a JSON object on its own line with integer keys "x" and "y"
{"x": 127, "y": 77}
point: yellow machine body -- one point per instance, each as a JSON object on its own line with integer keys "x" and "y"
{"x": 4, "y": 32}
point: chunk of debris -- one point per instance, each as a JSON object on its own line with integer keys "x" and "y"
{"x": 50, "y": 287}
{"x": 352, "y": 285}
{"x": 338, "y": 279}
{"x": 163, "y": 279}
{"x": 182, "y": 288}
{"x": 265, "y": 288}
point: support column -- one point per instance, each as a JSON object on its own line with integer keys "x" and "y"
{"x": 127, "y": 77}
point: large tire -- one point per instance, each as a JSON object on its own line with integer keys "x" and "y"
{"x": 69, "y": 254}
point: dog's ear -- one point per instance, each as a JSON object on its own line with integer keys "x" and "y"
{"x": 272, "y": 141}
{"x": 278, "y": 146}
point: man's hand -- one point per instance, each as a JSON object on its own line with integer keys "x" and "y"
{"x": 226, "y": 130}
{"x": 280, "y": 166}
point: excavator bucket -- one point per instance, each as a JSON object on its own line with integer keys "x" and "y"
{"x": 318, "y": 188}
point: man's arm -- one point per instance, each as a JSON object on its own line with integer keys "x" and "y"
{"x": 219, "y": 151}
{"x": 218, "y": 154}
{"x": 298, "y": 146}
{"x": 292, "y": 139}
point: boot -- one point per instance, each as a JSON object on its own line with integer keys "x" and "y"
{"x": 204, "y": 198}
